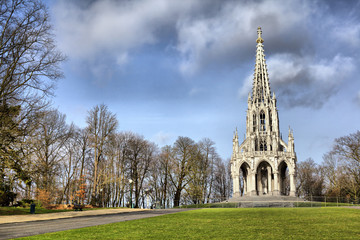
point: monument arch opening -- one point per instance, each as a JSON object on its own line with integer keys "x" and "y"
{"x": 244, "y": 178}
{"x": 284, "y": 180}
{"x": 264, "y": 179}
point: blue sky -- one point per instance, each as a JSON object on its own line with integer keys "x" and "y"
{"x": 172, "y": 68}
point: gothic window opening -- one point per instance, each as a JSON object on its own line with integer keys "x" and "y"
{"x": 263, "y": 146}
{"x": 262, "y": 121}
{"x": 270, "y": 121}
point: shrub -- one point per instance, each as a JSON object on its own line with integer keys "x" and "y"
{"x": 6, "y": 195}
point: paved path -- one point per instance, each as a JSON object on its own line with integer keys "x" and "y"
{"x": 356, "y": 207}
{"x": 40, "y": 226}
{"x": 69, "y": 214}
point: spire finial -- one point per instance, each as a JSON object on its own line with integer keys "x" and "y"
{"x": 259, "y": 39}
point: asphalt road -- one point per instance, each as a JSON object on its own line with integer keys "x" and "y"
{"x": 23, "y": 229}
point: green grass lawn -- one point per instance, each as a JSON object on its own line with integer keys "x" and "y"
{"x": 247, "y": 223}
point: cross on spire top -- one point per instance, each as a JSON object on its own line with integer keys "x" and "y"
{"x": 259, "y": 39}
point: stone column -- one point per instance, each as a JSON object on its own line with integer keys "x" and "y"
{"x": 258, "y": 182}
{"x": 236, "y": 186}
{"x": 248, "y": 184}
{"x": 253, "y": 184}
{"x": 245, "y": 185}
{"x": 269, "y": 179}
{"x": 276, "y": 184}
{"x": 292, "y": 185}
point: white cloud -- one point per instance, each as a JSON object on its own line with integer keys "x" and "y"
{"x": 349, "y": 33}
{"x": 122, "y": 59}
{"x": 246, "y": 87}
{"x": 162, "y": 138}
{"x": 332, "y": 72}
{"x": 114, "y": 26}
{"x": 195, "y": 91}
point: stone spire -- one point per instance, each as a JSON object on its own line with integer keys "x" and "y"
{"x": 261, "y": 160}
{"x": 261, "y": 87}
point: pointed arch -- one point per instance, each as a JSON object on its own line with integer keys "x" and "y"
{"x": 284, "y": 179}
{"x": 264, "y": 178}
{"x": 244, "y": 178}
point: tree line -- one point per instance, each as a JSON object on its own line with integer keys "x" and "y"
{"x": 337, "y": 176}
{"x": 61, "y": 163}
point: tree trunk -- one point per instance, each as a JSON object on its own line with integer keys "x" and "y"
{"x": 177, "y": 197}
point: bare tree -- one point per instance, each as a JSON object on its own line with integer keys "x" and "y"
{"x": 209, "y": 156}
{"x": 48, "y": 144}
{"x": 71, "y": 166}
{"x": 347, "y": 150}
{"x": 334, "y": 174}
{"x": 140, "y": 154}
{"x": 163, "y": 168}
{"x": 310, "y": 179}
{"x": 184, "y": 156}
{"x": 101, "y": 125}
{"x": 28, "y": 55}
{"x": 221, "y": 180}
{"x": 121, "y": 179}
{"x": 82, "y": 139}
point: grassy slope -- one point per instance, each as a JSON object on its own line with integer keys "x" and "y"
{"x": 249, "y": 223}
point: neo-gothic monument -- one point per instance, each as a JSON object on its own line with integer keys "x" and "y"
{"x": 259, "y": 164}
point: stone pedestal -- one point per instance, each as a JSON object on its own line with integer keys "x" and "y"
{"x": 276, "y": 193}
{"x": 236, "y": 194}
{"x": 253, "y": 193}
